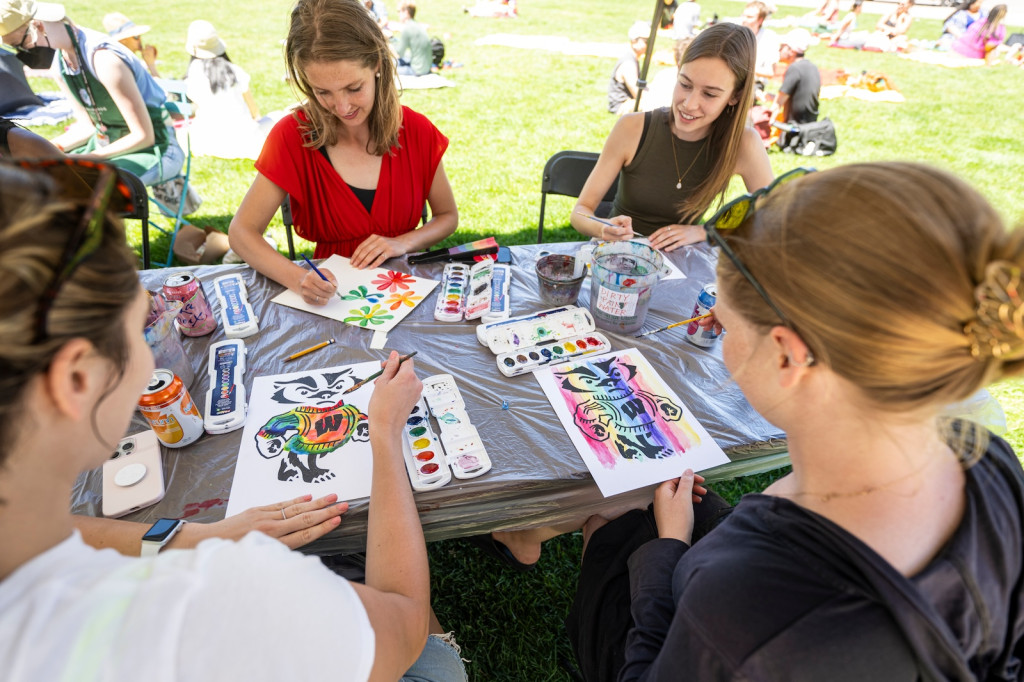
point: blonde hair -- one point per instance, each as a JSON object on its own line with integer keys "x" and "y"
{"x": 900, "y": 277}
{"x": 35, "y": 224}
{"x": 334, "y": 31}
{"x": 736, "y": 46}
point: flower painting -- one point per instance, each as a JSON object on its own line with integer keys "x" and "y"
{"x": 367, "y": 315}
{"x": 393, "y": 281}
{"x": 396, "y": 301}
{"x": 376, "y": 298}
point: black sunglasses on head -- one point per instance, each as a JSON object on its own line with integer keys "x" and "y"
{"x": 732, "y": 215}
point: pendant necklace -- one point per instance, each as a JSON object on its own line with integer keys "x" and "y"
{"x": 675, "y": 159}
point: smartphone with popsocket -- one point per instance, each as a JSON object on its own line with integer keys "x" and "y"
{"x": 133, "y": 477}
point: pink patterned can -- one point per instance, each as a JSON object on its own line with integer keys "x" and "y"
{"x": 195, "y": 317}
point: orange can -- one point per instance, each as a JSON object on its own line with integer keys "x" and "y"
{"x": 170, "y": 410}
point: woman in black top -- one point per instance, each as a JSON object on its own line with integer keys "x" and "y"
{"x": 894, "y": 548}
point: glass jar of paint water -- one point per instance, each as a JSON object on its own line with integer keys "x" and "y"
{"x": 623, "y": 277}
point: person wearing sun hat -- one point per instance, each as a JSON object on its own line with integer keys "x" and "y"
{"x": 119, "y": 108}
{"x": 227, "y": 123}
{"x": 128, "y": 33}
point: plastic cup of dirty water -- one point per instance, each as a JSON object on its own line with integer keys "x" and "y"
{"x": 559, "y": 283}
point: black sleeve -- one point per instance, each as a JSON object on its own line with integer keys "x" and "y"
{"x": 650, "y": 577}
{"x": 5, "y": 127}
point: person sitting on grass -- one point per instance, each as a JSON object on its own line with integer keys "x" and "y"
{"x": 843, "y": 33}
{"x": 415, "y": 55}
{"x": 356, "y": 165}
{"x": 75, "y": 363}
{"x": 982, "y": 37}
{"x": 622, "y": 90}
{"x": 797, "y": 101}
{"x": 956, "y": 24}
{"x": 891, "y": 30}
{"x": 672, "y": 163}
{"x": 894, "y": 550}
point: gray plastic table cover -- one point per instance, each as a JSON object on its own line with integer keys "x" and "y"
{"x": 537, "y": 477}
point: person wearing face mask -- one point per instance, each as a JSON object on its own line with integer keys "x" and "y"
{"x": 119, "y": 108}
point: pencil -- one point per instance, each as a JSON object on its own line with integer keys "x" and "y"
{"x": 320, "y": 275}
{"x": 318, "y": 346}
{"x": 675, "y": 324}
{"x": 377, "y": 374}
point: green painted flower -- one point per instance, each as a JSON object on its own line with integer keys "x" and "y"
{"x": 366, "y": 315}
{"x": 360, "y": 293}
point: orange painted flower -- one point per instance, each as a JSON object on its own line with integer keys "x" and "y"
{"x": 409, "y": 298}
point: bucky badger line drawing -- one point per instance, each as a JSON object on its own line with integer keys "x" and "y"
{"x": 319, "y": 423}
{"x": 619, "y": 415}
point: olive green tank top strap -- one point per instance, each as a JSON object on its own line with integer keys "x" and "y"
{"x": 647, "y": 185}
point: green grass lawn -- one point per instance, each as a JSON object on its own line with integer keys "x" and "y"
{"x": 511, "y": 109}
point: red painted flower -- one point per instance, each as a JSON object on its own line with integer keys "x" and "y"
{"x": 393, "y": 281}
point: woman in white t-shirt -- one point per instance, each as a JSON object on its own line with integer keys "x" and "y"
{"x": 227, "y": 123}
{"x": 73, "y": 362}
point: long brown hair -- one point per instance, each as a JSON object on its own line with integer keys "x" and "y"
{"x": 737, "y": 47}
{"x": 992, "y": 21}
{"x": 334, "y": 31}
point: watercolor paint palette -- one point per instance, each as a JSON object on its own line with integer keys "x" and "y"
{"x": 465, "y": 450}
{"x": 424, "y": 458}
{"x": 525, "y": 360}
{"x": 530, "y": 330}
{"x": 465, "y": 291}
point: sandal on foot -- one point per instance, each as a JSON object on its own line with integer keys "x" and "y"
{"x": 488, "y": 545}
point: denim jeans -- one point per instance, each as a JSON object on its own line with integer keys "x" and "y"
{"x": 440, "y": 661}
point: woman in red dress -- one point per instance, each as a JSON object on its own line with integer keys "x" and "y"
{"x": 358, "y": 165}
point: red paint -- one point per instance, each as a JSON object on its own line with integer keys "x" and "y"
{"x": 193, "y": 508}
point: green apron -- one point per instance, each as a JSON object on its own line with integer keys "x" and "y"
{"x": 107, "y": 118}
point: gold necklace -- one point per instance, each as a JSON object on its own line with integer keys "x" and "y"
{"x": 867, "y": 490}
{"x": 675, "y": 159}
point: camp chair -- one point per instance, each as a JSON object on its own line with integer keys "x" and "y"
{"x": 286, "y": 218}
{"x": 138, "y": 210}
{"x": 179, "y": 106}
{"x": 565, "y": 173}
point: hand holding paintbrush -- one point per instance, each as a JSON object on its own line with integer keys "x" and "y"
{"x": 313, "y": 289}
{"x": 377, "y": 374}
{"x": 675, "y": 324}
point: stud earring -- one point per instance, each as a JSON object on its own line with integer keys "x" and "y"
{"x": 378, "y": 74}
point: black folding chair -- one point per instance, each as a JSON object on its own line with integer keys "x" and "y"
{"x": 565, "y": 173}
{"x": 139, "y": 210}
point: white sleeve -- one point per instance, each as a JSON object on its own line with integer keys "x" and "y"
{"x": 263, "y": 612}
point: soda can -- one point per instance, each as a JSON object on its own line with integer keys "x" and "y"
{"x": 169, "y": 409}
{"x": 195, "y": 317}
{"x": 696, "y": 334}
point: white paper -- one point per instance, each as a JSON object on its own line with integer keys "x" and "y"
{"x": 379, "y": 340}
{"x": 629, "y": 427}
{"x": 373, "y": 299}
{"x": 673, "y": 271}
{"x": 291, "y": 415}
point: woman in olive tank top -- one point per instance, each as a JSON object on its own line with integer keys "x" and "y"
{"x": 673, "y": 162}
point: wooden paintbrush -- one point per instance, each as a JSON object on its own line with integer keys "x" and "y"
{"x": 675, "y": 324}
{"x": 377, "y": 374}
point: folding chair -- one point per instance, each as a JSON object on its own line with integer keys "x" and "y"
{"x": 178, "y": 105}
{"x": 565, "y": 173}
{"x": 286, "y": 218}
{"x": 139, "y": 209}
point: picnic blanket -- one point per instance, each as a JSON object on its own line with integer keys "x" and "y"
{"x": 55, "y": 108}
{"x": 838, "y": 90}
{"x": 948, "y": 59}
{"x": 427, "y": 82}
{"x": 553, "y": 44}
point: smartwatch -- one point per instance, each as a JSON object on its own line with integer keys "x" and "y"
{"x": 159, "y": 534}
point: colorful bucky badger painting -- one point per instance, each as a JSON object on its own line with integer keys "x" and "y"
{"x": 629, "y": 427}
{"x": 303, "y": 436}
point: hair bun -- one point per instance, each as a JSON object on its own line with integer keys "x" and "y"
{"x": 998, "y": 328}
